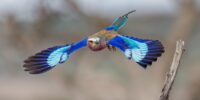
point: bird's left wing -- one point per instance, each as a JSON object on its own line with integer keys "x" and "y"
{"x": 49, "y": 58}
{"x": 143, "y": 51}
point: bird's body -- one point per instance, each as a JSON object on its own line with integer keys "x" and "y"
{"x": 98, "y": 41}
{"x": 142, "y": 51}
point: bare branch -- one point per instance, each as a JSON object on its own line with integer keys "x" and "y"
{"x": 171, "y": 75}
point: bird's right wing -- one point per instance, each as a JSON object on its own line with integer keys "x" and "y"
{"x": 143, "y": 51}
{"x": 49, "y": 58}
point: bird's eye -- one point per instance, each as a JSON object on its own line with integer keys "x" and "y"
{"x": 90, "y": 41}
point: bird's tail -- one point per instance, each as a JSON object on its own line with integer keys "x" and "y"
{"x": 119, "y": 22}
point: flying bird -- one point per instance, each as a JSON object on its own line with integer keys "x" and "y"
{"x": 142, "y": 51}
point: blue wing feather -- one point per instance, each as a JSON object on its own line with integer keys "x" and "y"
{"x": 143, "y": 51}
{"x": 118, "y": 42}
{"x": 78, "y": 45}
{"x": 49, "y": 58}
{"x": 137, "y": 39}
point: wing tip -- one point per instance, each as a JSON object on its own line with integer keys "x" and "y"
{"x": 142, "y": 65}
{"x": 155, "y": 50}
{"x": 36, "y": 67}
{"x": 40, "y": 71}
{"x": 37, "y": 63}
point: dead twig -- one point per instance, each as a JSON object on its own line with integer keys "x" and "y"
{"x": 171, "y": 75}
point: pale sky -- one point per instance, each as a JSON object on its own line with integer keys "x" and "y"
{"x": 142, "y": 6}
{"x": 26, "y": 8}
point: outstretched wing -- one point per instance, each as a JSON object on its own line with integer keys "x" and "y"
{"x": 143, "y": 51}
{"x": 49, "y": 58}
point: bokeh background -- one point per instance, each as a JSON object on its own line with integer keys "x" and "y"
{"x": 28, "y": 26}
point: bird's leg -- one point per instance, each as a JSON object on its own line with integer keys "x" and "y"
{"x": 113, "y": 48}
{"x": 109, "y": 47}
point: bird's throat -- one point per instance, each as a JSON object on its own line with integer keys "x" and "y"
{"x": 97, "y": 47}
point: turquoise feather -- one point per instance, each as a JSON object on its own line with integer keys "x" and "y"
{"x": 119, "y": 22}
{"x": 142, "y": 51}
{"x": 49, "y": 58}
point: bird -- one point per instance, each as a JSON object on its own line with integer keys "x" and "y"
{"x": 143, "y": 51}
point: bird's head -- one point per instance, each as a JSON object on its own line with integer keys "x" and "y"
{"x": 96, "y": 44}
{"x": 94, "y": 40}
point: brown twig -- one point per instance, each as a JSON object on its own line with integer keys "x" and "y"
{"x": 171, "y": 75}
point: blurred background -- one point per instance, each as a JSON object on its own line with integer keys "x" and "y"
{"x": 28, "y": 26}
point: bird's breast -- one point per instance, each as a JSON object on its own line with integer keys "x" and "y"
{"x": 97, "y": 47}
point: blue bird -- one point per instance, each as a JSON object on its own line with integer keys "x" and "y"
{"x": 142, "y": 51}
